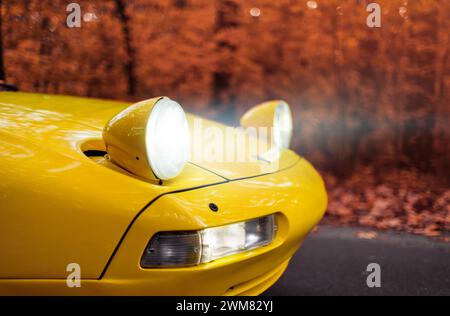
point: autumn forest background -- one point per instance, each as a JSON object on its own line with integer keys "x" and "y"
{"x": 371, "y": 105}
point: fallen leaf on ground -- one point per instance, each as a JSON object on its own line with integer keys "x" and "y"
{"x": 444, "y": 239}
{"x": 400, "y": 199}
{"x": 366, "y": 235}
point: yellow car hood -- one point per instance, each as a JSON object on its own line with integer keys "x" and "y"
{"x": 58, "y": 206}
{"x": 93, "y": 114}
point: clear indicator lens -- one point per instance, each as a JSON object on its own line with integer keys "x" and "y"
{"x": 219, "y": 242}
{"x": 170, "y": 249}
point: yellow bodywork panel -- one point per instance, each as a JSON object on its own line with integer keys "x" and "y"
{"x": 298, "y": 206}
{"x": 58, "y": 206}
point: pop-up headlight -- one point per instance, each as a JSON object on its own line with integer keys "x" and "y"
{"x": 149, "y": 138}
{"x": 275, "y": 115}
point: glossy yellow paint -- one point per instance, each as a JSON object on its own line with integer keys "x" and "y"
{"x": 58, "y": 206}
{"x": 242, "y": 167}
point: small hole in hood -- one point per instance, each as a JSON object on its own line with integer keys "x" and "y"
{"x": 95, "y": 153}
{"x": 93, "y": 148}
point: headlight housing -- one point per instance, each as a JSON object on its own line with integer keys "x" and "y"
{"x": 275, "y": 115}
{"x": 149, "y": 139}
{"x": 175, "y": 249}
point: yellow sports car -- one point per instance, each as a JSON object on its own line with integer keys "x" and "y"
{"x": 109, "y": 198}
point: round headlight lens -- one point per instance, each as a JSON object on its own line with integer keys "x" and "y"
{"x": 167, "y": 139}
{"x": 282, "y": 126}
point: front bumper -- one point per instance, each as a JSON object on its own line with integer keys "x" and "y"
{"x": 297, "y": 195}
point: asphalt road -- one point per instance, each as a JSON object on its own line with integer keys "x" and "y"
{"x": 333, "y": 261}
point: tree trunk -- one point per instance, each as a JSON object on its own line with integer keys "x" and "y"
{"x": 343, "y": 154}
{"x": 129, "y": 64}
{"x": 227, "y": 13}
{"x": 2, "y": 66}
{"x": 420, "y": 76}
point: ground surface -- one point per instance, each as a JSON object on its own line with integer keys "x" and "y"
{"x": 404, "y": 200}
{"x": 333, "y": 261}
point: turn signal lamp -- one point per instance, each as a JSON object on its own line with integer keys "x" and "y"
{"x": 175, "y": 249}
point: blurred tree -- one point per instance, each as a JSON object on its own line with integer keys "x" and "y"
{"x": 2, "y": 66}
{"x": 442, "y": 96}
{"x": 420, "y": 82}
{"x": 227, "y": 18}
{"x": 126, "y": 32}
{"x": 359, "y": 95}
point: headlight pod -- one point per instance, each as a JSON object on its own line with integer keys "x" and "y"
{"x": 149, "y": 139}
{"x": 175, "y": 249}
{"x": 282, "y": 126}
{"x": 275, "y": 115}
